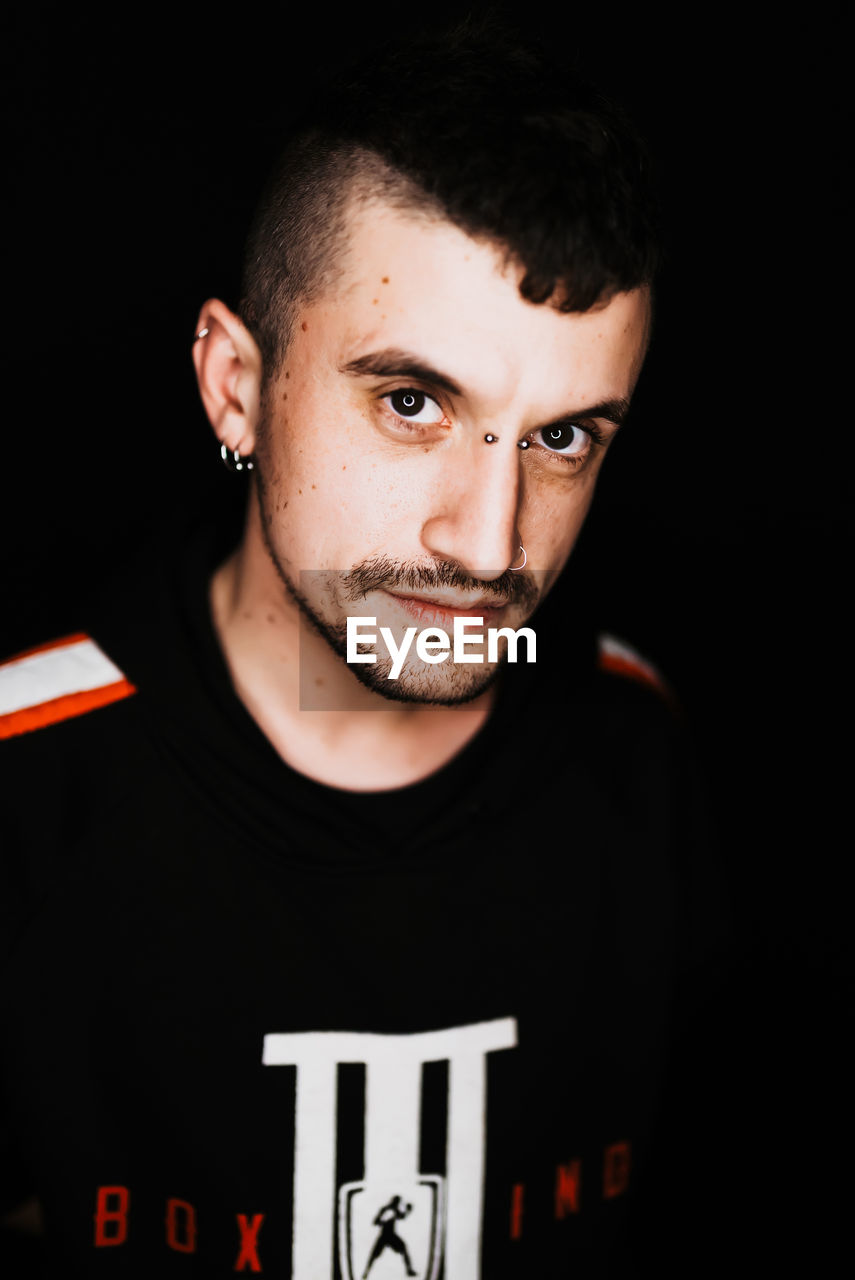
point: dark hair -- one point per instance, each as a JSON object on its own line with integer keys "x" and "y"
{"x": 473, "y": 126}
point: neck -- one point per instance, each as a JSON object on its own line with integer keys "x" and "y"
{"x": 352, "y": 737}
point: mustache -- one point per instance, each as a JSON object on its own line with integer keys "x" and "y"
{"x": 381, "y": 573}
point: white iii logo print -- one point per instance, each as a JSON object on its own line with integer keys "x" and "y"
{"x": 396, "y": 1221}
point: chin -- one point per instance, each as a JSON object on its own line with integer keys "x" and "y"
{"x": 426, "y": 685}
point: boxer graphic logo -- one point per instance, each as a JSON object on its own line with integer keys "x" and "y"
{"x": 396, "y": 1221}
{"x": 403, "y": 1238}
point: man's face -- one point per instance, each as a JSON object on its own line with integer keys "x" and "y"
{"x": 428, "y": 422}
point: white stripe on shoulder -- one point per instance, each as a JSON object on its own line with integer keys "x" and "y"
{"x": 40, "y": 677}
{"x": 612, "y": 647}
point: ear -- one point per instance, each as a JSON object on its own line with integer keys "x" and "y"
{"x": 228, "y": 370}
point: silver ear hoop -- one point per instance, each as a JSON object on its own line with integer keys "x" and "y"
{"x": 515, "y": 568}
{"x": 233, "y": 460}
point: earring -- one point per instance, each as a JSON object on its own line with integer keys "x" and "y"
{"x": 233, "y": 460}
{"x": 515, "y": 568}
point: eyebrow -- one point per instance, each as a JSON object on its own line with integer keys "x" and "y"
{"x": 393, "y": 362}
{"x": 613, "y": 411}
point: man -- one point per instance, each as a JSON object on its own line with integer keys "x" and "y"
{"x": 326, "y": 912}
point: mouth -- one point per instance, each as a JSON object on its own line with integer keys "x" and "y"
{"x": 433, "y": 611}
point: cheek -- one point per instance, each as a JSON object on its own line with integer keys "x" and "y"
{"x": 551, "y": 519}
{"x": 309, "y": 455}
{"x": 332, "y": 502}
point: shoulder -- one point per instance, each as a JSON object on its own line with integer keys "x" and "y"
{"x": 65, "y": 742}
{"x": 61, "y": 680}
{"x": 630, "y": 715}
{"x": 616, "y": 657}
{"x": 605, "y": 701}
{"x": 627, "y": 666}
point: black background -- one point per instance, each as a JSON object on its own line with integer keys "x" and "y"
{"x": 136, "y": 143}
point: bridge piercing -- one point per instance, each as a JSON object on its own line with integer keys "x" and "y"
{"x": 524, "y": 444}
{"x": 490, "y": 439}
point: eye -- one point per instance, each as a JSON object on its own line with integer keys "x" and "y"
{"x": 414, "y": 405}
{"x": 567, "y": 438}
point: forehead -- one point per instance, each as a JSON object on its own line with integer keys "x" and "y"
{"x": 415, "y": 282}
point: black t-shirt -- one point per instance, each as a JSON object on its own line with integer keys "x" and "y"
{"x": 253, "y": 1023}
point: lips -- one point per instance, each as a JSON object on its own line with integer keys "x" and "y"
{"x": 441, "y": 613}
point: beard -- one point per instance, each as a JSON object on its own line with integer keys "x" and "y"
{"x": 326, "y": 598}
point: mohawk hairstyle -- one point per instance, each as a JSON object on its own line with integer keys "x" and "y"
{"x": 475, "y": 127}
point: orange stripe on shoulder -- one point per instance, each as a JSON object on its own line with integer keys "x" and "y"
{"x": 64, "y": 708}
{"x": 57, "y": 681}
{"x": 620, "y": 659}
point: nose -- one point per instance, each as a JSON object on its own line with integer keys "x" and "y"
{"x": 475, "y": 516}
